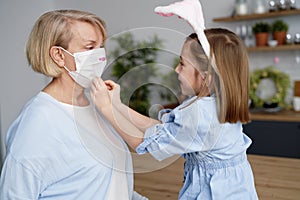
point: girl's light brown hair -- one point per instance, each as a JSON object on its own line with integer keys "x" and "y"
{"x": 54, "y": 29}
{"x": 229, "y": 74}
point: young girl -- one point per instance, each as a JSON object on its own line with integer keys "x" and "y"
{"x": 206, "y": 129}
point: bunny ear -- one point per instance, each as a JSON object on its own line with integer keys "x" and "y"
{"x": 163, "y": 11}
{"x": 204, "y": 42}
{"x": 191, "y": 11}
{"x": 165, "y": 14}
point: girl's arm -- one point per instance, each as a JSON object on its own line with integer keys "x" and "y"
{"x": 142, "y": 122}
{"x": 127, "y": 122}
{"x": 128, "y": 131}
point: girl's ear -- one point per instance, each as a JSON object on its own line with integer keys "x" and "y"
{"x": 204, "y": 75}
{"x": 57, "y": 56}
{"x": 209, "y": 82}
{"x": 208, "y": 79}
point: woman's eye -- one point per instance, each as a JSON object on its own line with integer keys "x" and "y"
{"x": 90, "y": 48}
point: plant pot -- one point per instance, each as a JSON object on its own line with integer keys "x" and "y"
{"x": 261, "y": 39}
{"x": 280, "y": 37}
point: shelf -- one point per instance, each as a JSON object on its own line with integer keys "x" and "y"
{"x": 258, "y": 16}
{"x": 277, "y": 48}
{"x": 284, "y": 115}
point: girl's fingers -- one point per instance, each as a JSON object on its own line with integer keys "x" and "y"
{"x": 92, "y": 88}
{"x": 94, "y": 84}
{"x": 110, "y": 84}
{"x": 98, "y": 83}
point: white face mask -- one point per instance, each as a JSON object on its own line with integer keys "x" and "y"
{"x": 89, "y": 65}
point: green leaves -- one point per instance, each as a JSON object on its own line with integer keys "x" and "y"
{"x": 133, "y": 66}
{"x": 261, "y": 27}
{"x": 281, "y": 80}
{"x": 279, "y": 25}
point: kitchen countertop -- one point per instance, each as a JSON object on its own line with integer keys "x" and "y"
{"x": 259, "y": 114}
{"x": 271, "y": 115}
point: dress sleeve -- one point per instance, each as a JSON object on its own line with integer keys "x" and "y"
{"x": 178, "y": 133}
{"x": 18, "y": 182}
{"x": 137, "y": 196}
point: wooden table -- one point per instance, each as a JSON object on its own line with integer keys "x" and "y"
{"x": 276, "y": 178}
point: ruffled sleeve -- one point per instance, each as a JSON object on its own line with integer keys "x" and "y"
{"x": 178, "y": 133}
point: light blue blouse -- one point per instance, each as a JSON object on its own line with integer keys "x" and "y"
{"x": 216, "y": 165}
{"x": 47, "y": 159}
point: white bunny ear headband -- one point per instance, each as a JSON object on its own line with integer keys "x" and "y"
{"x": 191, "y": 11}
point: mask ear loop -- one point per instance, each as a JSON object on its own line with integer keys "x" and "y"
{"x": 67, "y": 69}
{"x": 67, "y": 53}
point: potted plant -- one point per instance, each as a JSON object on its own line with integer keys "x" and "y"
{"x": 279, "y": 30}
{"x": 261, "y": 32}
{"x": 133, "y": 66}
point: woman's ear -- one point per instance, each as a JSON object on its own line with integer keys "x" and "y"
{"x": 57, "y": 56}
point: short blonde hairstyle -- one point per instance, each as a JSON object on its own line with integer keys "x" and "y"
{"x": 230, "y": 80}
{"x": 54, "y": 29}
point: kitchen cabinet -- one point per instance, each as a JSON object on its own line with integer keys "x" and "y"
{"x": 256, "y": 17}
{"x": 274, "y": 134}
{"x": 274, "y": 138}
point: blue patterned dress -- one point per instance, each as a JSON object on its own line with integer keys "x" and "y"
{"x": 216, "y": 165}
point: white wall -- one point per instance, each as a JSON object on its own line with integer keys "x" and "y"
{"x": 18, "y": 83}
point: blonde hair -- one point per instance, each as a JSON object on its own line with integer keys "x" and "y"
{"x": 54, "y": 29}
{"x": 228, "y": 69}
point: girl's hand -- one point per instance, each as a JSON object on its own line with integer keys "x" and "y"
{"x": 100, "y": 93}
{"x": 114, "y": 92}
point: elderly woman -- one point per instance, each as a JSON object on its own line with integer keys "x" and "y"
{"x": 59, "y": 147}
